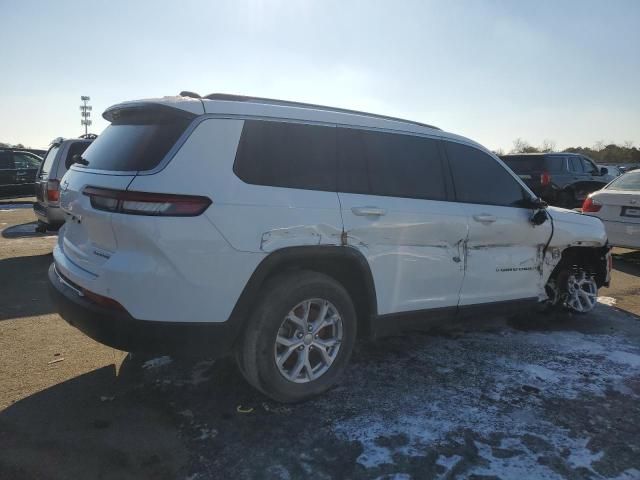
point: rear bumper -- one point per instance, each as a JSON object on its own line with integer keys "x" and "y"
{"x": 118, "y": 329}
{"x": 53, "y": 216}
{"x": 622, "y": 234}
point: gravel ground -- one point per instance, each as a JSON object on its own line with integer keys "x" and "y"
{"x": 526, "y": 397}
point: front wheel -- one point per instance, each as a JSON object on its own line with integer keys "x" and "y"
{"x": 299, "y": 338}
{"x": 573, "y": 289}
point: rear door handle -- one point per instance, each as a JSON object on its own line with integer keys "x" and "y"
{"x": 368, "y": 211}
{"x": 484, "y": 218}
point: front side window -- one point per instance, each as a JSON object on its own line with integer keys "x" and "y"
{"x": 290, "y": 155}
{"x": 479, "y": 178}
{"x": 389, "y": 164}
{"x": 589, "y": 167}
{"x": 575, "y": 165}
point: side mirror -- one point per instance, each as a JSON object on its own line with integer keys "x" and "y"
{"x": 604, "y": 171}
{"x": 536, "y": 204}
{"x": 539, "y": 217}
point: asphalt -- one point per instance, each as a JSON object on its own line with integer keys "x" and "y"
{"x": 532, "y": 396}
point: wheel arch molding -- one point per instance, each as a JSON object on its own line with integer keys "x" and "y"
{"x": 344, "y": 264}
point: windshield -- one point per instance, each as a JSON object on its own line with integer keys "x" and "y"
{"x": 48, "y": 160}
{"x": 136, "y": 140}
{"x": 628, "y": 181}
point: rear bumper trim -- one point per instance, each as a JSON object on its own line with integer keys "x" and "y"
{"x": 120, "y": 330}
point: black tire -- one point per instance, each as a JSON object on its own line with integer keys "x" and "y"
{"x": 255, "y": 355}
{"x": 566, "y": 199}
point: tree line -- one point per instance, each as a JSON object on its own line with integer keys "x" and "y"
{"x": 611, "y": 153}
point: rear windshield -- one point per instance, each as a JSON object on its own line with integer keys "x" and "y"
{"x": 48, "y": 160}
{"x": 628, "y": 181}
{"x": 533, "y": 163}
{"x": 136, "y": 140}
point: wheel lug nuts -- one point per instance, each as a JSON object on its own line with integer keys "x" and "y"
{"x": 316, "y": 336}
{"x": 300, "y": 335}
{"x": 300, "y": 347}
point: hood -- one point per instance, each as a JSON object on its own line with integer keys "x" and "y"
{"x": 575, "y": 229}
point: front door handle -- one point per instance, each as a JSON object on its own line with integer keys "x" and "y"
{"x": 368, "y": 211}
{"x": 484, "y": 218}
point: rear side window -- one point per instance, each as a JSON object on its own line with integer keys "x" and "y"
{"x": 524, "y": 164}
{"x": 479, "y": 178}
{"x": 389, "y": 164}
{"x": 6, "y": 161}
{"x": 291, "y": 155}
{"x": 555, "y": 164}
{"x": 48, "y": 160}
{"x": 136, "y": 140}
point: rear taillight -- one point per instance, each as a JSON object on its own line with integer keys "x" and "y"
{"x": 590, "y": 205}
{"x": 53, "y": 190}
{"x": 545, "y": 178}
{"x": 144, "y": 203}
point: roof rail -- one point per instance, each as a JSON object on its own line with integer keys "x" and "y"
{"x": 287, "y": 103}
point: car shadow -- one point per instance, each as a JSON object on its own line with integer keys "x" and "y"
{"x": 628, "y": 262}
{"x": 90, "y": 427}
{"x": 24, "y": 286}
{"x": 25, "y": 230}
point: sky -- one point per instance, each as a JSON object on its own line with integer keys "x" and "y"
{"x": 492, "y": 70}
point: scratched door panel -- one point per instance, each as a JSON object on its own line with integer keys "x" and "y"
{"x": 503, "y": 255}
{"x": 414, "y": 249}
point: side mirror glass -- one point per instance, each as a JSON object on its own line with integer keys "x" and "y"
{"x": 604, "y": 171}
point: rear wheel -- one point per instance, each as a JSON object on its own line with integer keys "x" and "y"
{"x": 299, "y": 338}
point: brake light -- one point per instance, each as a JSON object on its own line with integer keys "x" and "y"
{"x": 53, "y": 190}
{"x": 545, "y": 178}
{"x": 144, "y": 203}
{"x": 590, "y": 205}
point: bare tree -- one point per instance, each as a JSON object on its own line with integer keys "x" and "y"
{"x": 548, "y": 146}
{"x": 599, "y": 145}
{"x": 522, "y": 146}
{"x": 628, "y": 144}
{"x": 498, "y": 151}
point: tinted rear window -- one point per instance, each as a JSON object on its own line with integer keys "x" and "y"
{"x": 136, "y": 140}
{"x": 533, "y": 163}
{"x": 288, "y": 155}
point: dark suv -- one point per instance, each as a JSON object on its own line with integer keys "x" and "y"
{"x": 18, "y": 169}
{"x": 562, "y": 179}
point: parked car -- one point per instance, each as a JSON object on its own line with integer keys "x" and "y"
{"x": 279, "y": 232}
{"x": 618, "y": 206}
{"x": 612, "y": 172}
{"x": 563, "y": 179}
{"x": 18, "y": 169}
{"x": 58, "y": 159}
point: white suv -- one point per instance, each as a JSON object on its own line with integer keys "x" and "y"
{"x": 280, "y": 232}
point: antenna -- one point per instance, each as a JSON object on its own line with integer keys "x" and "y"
{"x": 85, "y": 112}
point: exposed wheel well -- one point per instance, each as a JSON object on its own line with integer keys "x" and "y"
{"x": 593, "y": 259}
{"x": 344, "y": 264}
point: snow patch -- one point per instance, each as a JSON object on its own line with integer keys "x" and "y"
{"x": 609, "y": 301}
{"x": 157, "y": 362}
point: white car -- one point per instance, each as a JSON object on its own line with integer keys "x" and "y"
{"x": 618, "y": 206}
{"x": 280, "y": 232}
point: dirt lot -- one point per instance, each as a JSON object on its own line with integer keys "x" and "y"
{"x": 528, "y": 397}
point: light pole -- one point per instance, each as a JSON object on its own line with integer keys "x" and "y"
{"x": 85, "y": 112}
